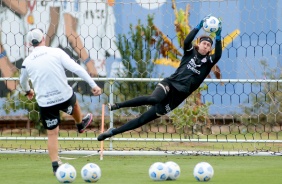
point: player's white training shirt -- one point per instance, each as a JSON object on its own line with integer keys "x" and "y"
{"x": 45, "y": 67}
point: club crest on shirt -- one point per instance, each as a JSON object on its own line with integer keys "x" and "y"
{"x": 204, "y": 60}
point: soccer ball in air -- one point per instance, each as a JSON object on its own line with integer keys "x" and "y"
{"x": 211, "y": 24}
{"x": 66, "y": 173}
{"x": 91, "y": 173}
{"x": 203, "y": 171}
{"x": 158, "y": 171}
{"x": 173, "y": 170}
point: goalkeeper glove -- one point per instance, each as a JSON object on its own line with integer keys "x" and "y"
{"x": 218, "y": 32}
{"x": 200, "y": 25}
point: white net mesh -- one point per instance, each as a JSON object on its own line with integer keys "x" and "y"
{"x": 238, "y": 109}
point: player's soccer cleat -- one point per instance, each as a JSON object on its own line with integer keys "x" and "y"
{"x": 56, "y": 165}
{"x": 105, "y": 135}
{"x": 86, "y": 121}
{"x": 113, "y": 107}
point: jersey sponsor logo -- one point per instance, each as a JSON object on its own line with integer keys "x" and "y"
{"x": 38, "y": 55}
{"x": 193, "y": 63}
{"x": 51, "y": 122}
{"x": 52, "y": 93}
{"x": 55, "y": 101}
{"x": 69, "y": 110}
{"x": 192, "y": 66}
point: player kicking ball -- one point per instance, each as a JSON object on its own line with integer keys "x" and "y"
{"x": 45, "y": 67}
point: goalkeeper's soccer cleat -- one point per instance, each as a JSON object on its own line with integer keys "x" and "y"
{"x": 105, "y": 135}
{"x": 113, "y": 107}
{"x": 86, "y": 121}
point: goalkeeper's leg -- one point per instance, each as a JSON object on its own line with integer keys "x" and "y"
{"x": 160, "y": 92}
{"x": 148, "y": 116}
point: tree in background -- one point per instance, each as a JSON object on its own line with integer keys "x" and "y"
{"x": 139, "y": 50}
{"x": 18, "y": 101}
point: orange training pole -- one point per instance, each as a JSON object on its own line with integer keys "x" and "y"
{"x": 102, "y": 130}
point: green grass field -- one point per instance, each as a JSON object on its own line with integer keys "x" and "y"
{"x": 30, "y": 169}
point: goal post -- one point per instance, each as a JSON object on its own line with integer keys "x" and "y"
{"x": 228, "y": 134}
{"x": 133, "y": 45}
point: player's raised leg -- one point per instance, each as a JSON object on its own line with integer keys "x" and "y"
{"x": 81, "y": 123}
{"x": 160, "y": 92}
{"x": 132, "y": 124}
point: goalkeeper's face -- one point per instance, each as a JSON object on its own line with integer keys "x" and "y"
{"x": 204, "y": 47}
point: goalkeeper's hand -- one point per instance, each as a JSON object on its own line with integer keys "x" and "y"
{"x": 218, "y": 32}
{"x": 200, "y": 25}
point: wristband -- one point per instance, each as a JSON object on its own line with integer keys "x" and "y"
{"x": 87, "y": 60}
{"x": 199, "y": 26}
{"x": 3, "y": 54}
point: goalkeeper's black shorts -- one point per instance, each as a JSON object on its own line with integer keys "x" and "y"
{"x": 173, "y": 99}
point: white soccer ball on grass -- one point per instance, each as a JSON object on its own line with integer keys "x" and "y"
{"x": 91, "y": 173}
{"x": 158, "y": 171}
{"x": 211, "y": 24}
{"x": 173, "y": 170}
{"x": 66, "y": 173}
{"x": 203, "y": 171}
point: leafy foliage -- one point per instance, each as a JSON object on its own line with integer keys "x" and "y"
{"x": 138, "y": 50}
{"x": 19, "y": 101}
{"x": 193, "y": 111}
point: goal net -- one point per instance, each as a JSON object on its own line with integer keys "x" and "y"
{"x": 133, "y": 45}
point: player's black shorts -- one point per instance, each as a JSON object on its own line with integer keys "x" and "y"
{"x": 50, "y": 116}
{"x": 173, "y": 99}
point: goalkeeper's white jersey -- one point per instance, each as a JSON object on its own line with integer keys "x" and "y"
{"x": 45, "y": 67}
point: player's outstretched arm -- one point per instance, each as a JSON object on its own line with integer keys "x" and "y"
{"x": 218, "y": 45}
{"x": 218, "y": 32}
{"x": 72, "y": 66}
{"x": 190, "y": 37}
